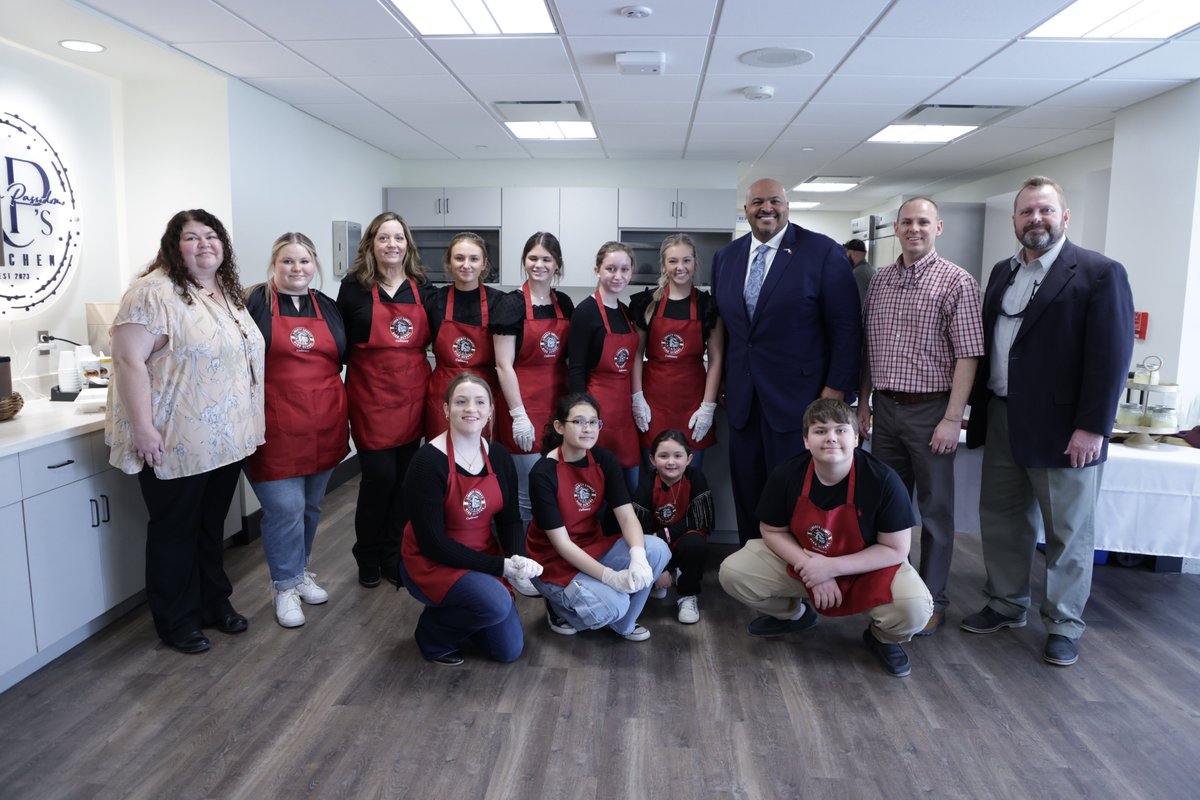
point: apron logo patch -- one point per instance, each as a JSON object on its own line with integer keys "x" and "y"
{"x": 463, "y": 349}
{"x": 303, "y": 339}
{"x": 549, "y": 343}
{"x": 672, "y": 344}
{"x": 621, "y": 357}
{"x": 474, "y": 503}
{"x": 401, "y": 328}
{"x": 666, "y": 513}
{"x": 585, "y": 496}
{"x": 819, "y": 537}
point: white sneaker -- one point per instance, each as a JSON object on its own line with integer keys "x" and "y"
{"x": 309, "y": 591}
{"x": 689, "y": 611}
{"x": 638, "y": 634}
{"x": 287, "y": 608}
{"x": 658, "y": 592}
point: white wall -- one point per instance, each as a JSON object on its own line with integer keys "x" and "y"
{"x": 573, "y": 172}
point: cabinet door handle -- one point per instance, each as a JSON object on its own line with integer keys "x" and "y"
{"x": 438, "y": 206}
{"x": 673, "y": 214}
{"x": 95, "y": 512}
{"x": 447, "y": 206}
{"x": 66, "y": 463}
{"x": 682, "y": 210}
{"x": 107, "y": 516}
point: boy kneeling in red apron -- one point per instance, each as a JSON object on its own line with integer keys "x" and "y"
{"x": 836, "y": 527}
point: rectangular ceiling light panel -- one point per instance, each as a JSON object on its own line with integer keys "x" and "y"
{"x": 476, "y": 17}
{"x": 1120, "y": 19}
{"x": 921, "y": 134}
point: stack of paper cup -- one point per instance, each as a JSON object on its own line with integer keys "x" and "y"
{"x": 68, "y": 372}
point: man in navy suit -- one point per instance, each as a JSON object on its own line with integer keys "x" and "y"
{"x": 1058, "y": 322}
{"x": 793, "y": 333}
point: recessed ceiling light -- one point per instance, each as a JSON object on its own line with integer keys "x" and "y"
{"x": 1119, "y": 19}
{"x": 558, "y": 130}
{"x": 478, "y": 17}
{"x": 825, "y": 185}
{"x": 802, "y": 205}
{"x": 921, "y": 134}
{"x": 776, "y": 57}
{"x": 80, "y": 46}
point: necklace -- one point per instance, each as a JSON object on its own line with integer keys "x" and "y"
{"x": 471, "y": 465}
{"x": 224, "y": 306}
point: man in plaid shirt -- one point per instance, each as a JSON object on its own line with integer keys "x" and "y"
{"x": 923, "y": 334}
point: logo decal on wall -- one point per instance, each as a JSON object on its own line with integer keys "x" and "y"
{"x": 37, "y": 217}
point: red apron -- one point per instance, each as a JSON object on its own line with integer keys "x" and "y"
{"x": 458, "y": 347}
{"x": 304, "y": 399}
{"x": 836, "y": 533}
{"x": 471, "y": 502}
{"x": 610, "y": 383}
{"x": 388, "y": 375}
{"x": 673, "y": 375}
{"x": 670, "y": 505}
{"x": 580, "y": 498}
{"x": 541, "y": 369}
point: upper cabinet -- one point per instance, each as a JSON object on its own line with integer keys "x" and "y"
{"x": 527, "y": 210}
{"x": 458, "y": 207}
{"x": 588, "y": 220}
{"x": 676, "y": 209}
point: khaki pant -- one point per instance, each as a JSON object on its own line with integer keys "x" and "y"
{"x": 758, "y": 578}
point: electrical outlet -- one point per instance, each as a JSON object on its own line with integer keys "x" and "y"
{"x": 44, "y": 344}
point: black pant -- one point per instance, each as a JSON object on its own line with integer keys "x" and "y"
{"x": 380, "y": 518}
{"x": 754, "y": 452}
{"x": 186, "y": 584}
{"x": 689, "y": 555}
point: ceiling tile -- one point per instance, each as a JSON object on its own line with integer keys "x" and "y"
{"x": 1046, "y": 116}
{"x": 357, "y": 114}
{"x": 894, "y": 89}
{"x": 1174, "y": 60}
{"x": 1035, "y": 58}
{"x": 966, "y": 20}
{"x": 731, "y": 132}
{"x": 747, "y": 112}
{"x": 458, "y": 136}
{"x": 306, "y": 90}
{"x": 521, "y": 55}
{"x": 252, "y": 59}
{"x": 724, "y": 149}
{"x": 364, "y": 57}
{"x": 827, "y": 54}
{"x": 851, "y": 113}
{"x": 180, "y": 20}
{"x": 1000, "y": 91}
{"x": 874, "y": 158}
{"x": 794, "y": 89}
{"x": 566, "y": 149}
{"x": 447, "y": 115}
{"x": 639, "y": 88}
{"x": 827, "y": 134}
{"x": 634, "y": 135}
{"x": 843, "y": 18}
{"x": 318, "y": 19}
{"x": 604, "y": 113}
{"x": 396, "y": 89}
{"x": 491, "y": 88}
{"x": 880, "y": 55}
{"x": 669, "y": 18}
{"x": 1111, "y": 93}
{"x": 598, "y": 54}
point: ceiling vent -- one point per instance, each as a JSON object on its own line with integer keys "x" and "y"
{"x": 955, "y": 115}
{"x": 539, "y": 110}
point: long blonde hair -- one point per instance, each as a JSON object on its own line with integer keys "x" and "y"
{"x": 291, "y": 237}
{"x": 660, "y": 291}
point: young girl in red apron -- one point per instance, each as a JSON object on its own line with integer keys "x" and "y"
{"x": 382, "y": 303}
{"x": 529, "y": 333}
{"x": 457, "y": 344}
{"x": 600, "y": 351}
{"x": 592, "y": 579}
{"x": 677, "y": 325}
{"x": 307, "y": 431}
{"x": 457, "y": 487}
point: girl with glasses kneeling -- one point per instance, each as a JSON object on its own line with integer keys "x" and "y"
{"x": 592, "y": 578}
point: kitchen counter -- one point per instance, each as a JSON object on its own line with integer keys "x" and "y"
{"x": 42, "y": 422}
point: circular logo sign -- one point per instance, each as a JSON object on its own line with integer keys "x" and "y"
{"x": 819, "y": 537}
{"x": 672, "y": 344}
{"x": 666, "y": 513}
{"x": 463, "y": 349}
{"x": 621, "y": 357}
{"x": 474, "y": 503}
{"x": 303, "y": 339}
{"x": 549, "y": 343}
{"x": 38, "y": 220}
{"x": 401, "y": 328}
{"x": 585, "y": 496}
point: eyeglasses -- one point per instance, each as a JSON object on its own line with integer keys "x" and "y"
{"x": 1021, "y": 313}
{"x": 587, "y": 424}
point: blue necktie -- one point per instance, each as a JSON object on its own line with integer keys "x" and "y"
{"x": 758, "y": 270}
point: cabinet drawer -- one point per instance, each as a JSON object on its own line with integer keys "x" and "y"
{"x": 10, "y": 480}
{"x": 56, "y": 464}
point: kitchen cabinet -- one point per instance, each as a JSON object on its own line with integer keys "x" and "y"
{"x": 526, "y": 210}
{"x": 17, "y": 641}
{"x": 587, "y": 219}
{"x": 677, "y": 209}
{"x": 458, "y": 207}
{"x": 122, "y": 535}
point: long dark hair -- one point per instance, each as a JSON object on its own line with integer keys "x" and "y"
{"x": 551, "y": 438}
{"x": 548, "y": 241}
{"x": 170, "y": 257}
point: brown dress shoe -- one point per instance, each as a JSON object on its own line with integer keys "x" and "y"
{"x": 936, "y": 621}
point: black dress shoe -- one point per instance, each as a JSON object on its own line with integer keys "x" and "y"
{"x": 232, "y": 622}
{"x": 369, "y": 576}
{"x": 891, "y": 656}
{"x": 190, "y": 642}
{"x": 451, "y": 659}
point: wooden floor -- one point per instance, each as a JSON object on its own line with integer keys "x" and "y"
{"x": 344, "y": 707}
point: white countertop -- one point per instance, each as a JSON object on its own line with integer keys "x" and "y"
{"x": 43, "y": 421}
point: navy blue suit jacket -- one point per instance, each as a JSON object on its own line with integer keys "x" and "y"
{"x": 806, "y": 333}
{"x": 1069, "y": 362}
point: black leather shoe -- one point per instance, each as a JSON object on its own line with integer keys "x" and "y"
{"x": 190, "y": 642}
{"x": 232, "y": 622}
{"x": 451, "y": 659}
{"x": 1061, "y": 650}
{"x": 989, "y": 621}
{"x": 369, "y": 576}
{"x": 891, "y": 656}
{"x": 770, "y": 626}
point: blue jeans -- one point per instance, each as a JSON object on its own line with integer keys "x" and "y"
{"x": 477, "y": 607}
{"x": 586, "y": 603}
{"x": 291, "y": 509}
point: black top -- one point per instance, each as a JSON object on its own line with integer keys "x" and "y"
{"x": 510, "y": 314}
{"x": 879, "y": 495}
{"x": 585, "y": 339}
{"x": 425, "y": 493}
{"x": 543, "y": 489}
{"x": 699, "y": 515}
{"x": 466, "y": 306}
{"x": 256, "y": 304}
{"x": 355, "y": 304}
{"x": 706, "y": 310}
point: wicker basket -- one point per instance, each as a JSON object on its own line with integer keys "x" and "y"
{"x": 10, "y": 405}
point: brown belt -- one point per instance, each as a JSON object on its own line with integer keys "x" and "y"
{"x": 911, "y": 398}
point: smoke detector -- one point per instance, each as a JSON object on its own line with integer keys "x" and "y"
{"x": 648, "y": 62}
{"x": 759, "y": 92}
{"x": 636, "y": 12}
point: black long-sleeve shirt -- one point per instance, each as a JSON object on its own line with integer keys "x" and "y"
{"x": 585, "y": 339}
{"x": 355, "y": 304}
{"x": 700, "y": 514}
{"x": 466, "y": 306}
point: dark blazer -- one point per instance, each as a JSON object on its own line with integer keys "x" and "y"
{"x": 806, "y": 333}
{"x": 1069, "y": 361}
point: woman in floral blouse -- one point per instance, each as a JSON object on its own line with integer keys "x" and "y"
{"x": 185, "y": 408}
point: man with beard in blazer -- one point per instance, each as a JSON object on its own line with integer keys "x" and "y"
{"x": 794, "y": 332}
{"x": 1058, "y": 322}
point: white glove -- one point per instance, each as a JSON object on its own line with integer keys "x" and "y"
{"x": 518, "y": 568}
{"x": 639, "y": 568}
{"x": 701, "y": 421}
{"x": 641, "y": 412}
{"x": 523, "y": 433}
{"x": 621, "y": 581}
